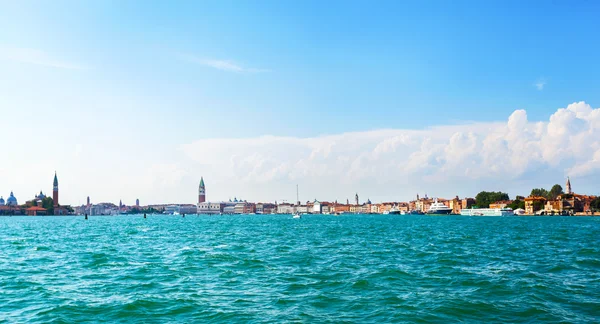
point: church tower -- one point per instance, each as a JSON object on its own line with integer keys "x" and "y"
{"x": 201, "y": 191}
{"x": 356, "y": 198}
{"x": 568, "y": 190}
{"x": 55, "y": 191}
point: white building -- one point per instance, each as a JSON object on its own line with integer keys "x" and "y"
{"x": 317, "y": 207}
{"x": 210, "y": 208}
{"x": 302, "y": 209}
{"x": 285, "y": 209}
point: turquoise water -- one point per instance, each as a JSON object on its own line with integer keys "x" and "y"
{"x": 368, "y": 269}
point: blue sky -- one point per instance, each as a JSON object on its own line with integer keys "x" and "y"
{"x": 121, "y": 86}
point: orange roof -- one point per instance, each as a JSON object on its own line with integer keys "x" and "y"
{"x": 36, "y": 208}
{"x": 534, "y": 198}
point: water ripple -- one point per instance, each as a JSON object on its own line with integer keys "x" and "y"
{"x": 367, "y": 269}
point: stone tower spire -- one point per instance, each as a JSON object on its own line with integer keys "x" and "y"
{"x": 201, "y": 191}
{"x": 568, "y": 187}
{"x": 356, "y": 198}
{"x": 55, "y": 191}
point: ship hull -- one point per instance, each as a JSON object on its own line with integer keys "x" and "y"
{"x": 439, "y": 212}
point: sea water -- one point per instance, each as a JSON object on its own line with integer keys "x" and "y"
{"x": 254, "y": 268}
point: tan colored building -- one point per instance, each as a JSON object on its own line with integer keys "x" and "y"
{"x": 500, "y": 204}
{"x": 467, "y": 203}
{"x": 534, "y": 204}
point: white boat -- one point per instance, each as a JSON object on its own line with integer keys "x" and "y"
{"x": 487, "y": 212}
{"x": 297, "y": 214}
{"x": 519, "y": 211}
{"x": 438, "y": 208}
{"x": 394, "y": 211}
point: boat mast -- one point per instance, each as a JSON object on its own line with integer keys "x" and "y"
{"x": 297, "y": 196}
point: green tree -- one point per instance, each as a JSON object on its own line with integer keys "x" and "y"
{"x": 485, "y": 198}
{"x": 556, "y": 191}
{"x": 539, "y": 192}
{"x": 48, "y": 203}
{"x": 516, "y": 204}
{"x": 595, "y": 204}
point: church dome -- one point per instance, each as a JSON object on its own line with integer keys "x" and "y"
{"x": 11, "y": 201}
{"x": 1, "y": 201}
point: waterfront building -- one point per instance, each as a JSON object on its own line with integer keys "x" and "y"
{"x": 188, "y": 209}
{"x": 171, "y": 209}
{"x": 303, "y": 209}
{"x": 266, "y": 208}
{"x": 201, "y": 191}
{"x": 286, "y": 208}
{"x": 339, "y": 208}
{"x": 385, "y": 207}
{"x": 36, "y": 210}
{"x": 467, "y": 203}
{"x": 325, "y": 208}
{"x": 456, "y": 205}
{"x": 244, "y": 208}
{"x": 2, "y": 202}
{"x": 317, "y": 209}
{"x": 229, "y": 209}
{"x": 211, "y": 208}
{"x": 534, "y": 204}
{"x": 374, "y": 209}
{"x": 500, "y": 204}
{"x": 137, "y": 202}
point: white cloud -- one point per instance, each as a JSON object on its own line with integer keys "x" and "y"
{"x": 398, "y": 162}
{"x": 224, "y": 65}
{"x": 540, "y": 84}
{"x": 36, "y": 57}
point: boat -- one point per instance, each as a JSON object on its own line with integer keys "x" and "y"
{"x": 487, "y": 212}
{"x": 394, "y": 211}
{"x": 519, "y": 211}
{"x": 438, "y": 208}
{"x": 296, "y": 215}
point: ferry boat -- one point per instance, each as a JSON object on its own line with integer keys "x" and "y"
{"x": 437, "y": 208}
{"x": 487, "y": 212}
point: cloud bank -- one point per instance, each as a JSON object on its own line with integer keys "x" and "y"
{"x": 395, "y": 162}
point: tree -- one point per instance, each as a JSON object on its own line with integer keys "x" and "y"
{"x": 48, "y": 204}
{"x": 517, "y": 204}
{"x": 556, "y": 191}
{"x": 595, "y": 204}
{"x": 539, "y": 192}
{"x": 485, "y": 198}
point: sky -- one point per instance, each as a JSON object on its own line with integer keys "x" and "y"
{"x": 387, "y": 99}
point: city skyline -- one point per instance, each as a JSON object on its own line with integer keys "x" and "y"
{"x": 138, "y": 100}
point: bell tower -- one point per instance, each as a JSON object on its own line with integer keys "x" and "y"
{"x": 201, "y": 191}
{"x": 55, "y": 191}
{"x": 568, "y": 187}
